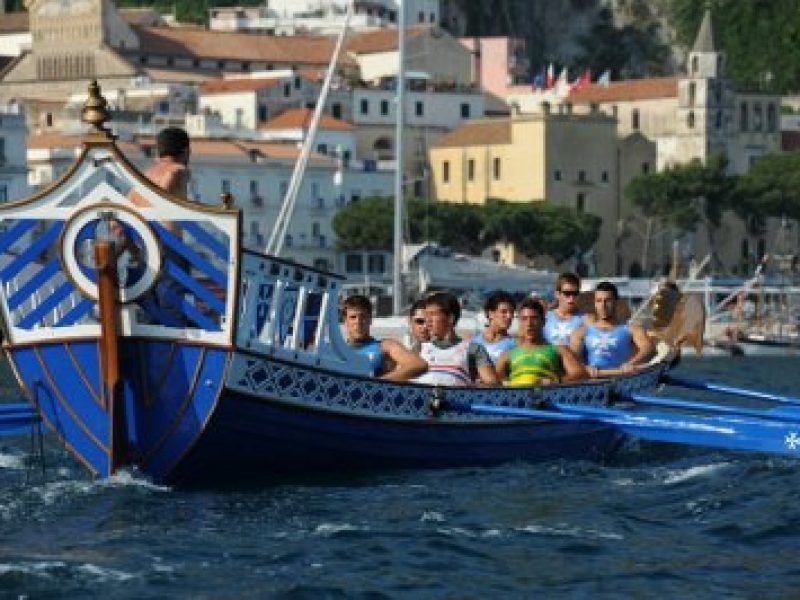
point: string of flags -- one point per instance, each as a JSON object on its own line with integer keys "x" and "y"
{"x": 546, "y": 80}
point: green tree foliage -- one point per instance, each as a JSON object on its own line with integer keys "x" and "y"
{"x": 629, "y": 52}
{"x": 687, "y": 195}
{"x": 191, "y": 11}
{"x": 760, "y": 37}
{"x": 771, "y": 188}
{"x": 536, "y": 228}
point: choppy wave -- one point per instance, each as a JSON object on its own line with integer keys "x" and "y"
{"x": 91, "y": 573}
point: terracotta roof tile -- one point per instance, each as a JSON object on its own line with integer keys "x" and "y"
{"x": 301, "y": 117}
{"x": 202, "y": 43}
{"x": 484, "y": 132}
{"x": 632, "y": 89}
{"x": 56, "y": 141}
{"x": 382, "y": 40}
{"x": 245, "y": 84}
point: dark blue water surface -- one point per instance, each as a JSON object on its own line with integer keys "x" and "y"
{"x": 656, "y": 522}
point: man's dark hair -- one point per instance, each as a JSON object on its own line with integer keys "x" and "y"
{"x": 172, "y": 141}
{"x": 418, "y": 305}
{"x": 447, "y": 303}
{"x": 533, "y": 303}
{"x": 568, "y": 277}
{"x": 607, "y": 286}
{"x": 497, "y": 298}
{"x": 357, "y": 302}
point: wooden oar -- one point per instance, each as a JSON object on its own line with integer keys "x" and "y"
{"x": 725, "y": 432}
{"x": 682, "y": 404}
{"x": 710, "y": 386}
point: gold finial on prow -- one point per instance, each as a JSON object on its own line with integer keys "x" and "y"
{"x": 95, "y": 111}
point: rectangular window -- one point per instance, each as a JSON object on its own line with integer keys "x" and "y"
{"x": 635, "y": 119}
{"x": 365, "y": 107}
{"x": 353, "y": 263}
{"x": 376, "y": 264}
{"x": 315, "y": 229}
{"x": 581, "y": 202}
{"x": 226, "y": 186}
{"x": 253, "y": 187}
{"x": 464, "y": 110}
{"x": 496, "y": 169}
{"x": 446, "y": 171}
{"x": 263, "y": 113}
{"x": 384, "y": 107}
{"x": 3, "y": 193}
{"x": 419, "y": 109}
{"x": 287, "y": 90}
{"x": 471, "y": 169}
{"x": 645, "y": 168}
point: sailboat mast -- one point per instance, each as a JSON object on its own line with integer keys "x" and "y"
{"x": 397, "y": 275}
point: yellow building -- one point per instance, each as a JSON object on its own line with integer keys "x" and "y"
{"x": 560, "y": 157}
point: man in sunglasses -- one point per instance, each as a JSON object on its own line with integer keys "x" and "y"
{"x": 417, "y": 327}
{"x": 562, "y": 320}
{"x": 611, "y": 346}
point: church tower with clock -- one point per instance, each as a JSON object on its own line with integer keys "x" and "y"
{"x": 73, "y": 41}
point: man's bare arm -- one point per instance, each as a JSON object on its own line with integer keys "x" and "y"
{"x": 407, "y": 365}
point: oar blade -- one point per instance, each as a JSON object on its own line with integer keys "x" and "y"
{"x": 728, "y": 433}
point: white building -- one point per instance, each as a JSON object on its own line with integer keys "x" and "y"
{"x": 289, "y": 17}
{"x": 249, "y": 102}
{"x": 13, "y": 142}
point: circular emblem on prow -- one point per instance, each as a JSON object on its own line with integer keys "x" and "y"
{"x": 137, "y": 249}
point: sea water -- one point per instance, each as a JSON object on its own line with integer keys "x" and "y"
{"x": 655, "y": 522}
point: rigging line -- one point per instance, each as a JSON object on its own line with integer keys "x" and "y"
{"x": 278, "y": 235}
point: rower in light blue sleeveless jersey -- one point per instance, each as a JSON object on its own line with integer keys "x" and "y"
{"x": 565, "y": 317}
{"x": 499, "y": 309}
{"x": 389, "y": 359}
{"x": 610, "y": 346}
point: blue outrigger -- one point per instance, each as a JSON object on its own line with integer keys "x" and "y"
{"x": 246, "y": 373}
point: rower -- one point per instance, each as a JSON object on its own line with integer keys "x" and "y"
{"x": 534, "y": 361}
{"x": 452, "y": 360}
{"x": 566, "y": 317}
{"x": 388, "y": 358}
{"x": 610, "y": 345}
{"x": 499, "y": 310}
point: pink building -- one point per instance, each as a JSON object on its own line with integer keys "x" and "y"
{"x": 498, "y": 63}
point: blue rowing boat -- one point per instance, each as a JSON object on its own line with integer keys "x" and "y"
{"x": 238, "y": 368}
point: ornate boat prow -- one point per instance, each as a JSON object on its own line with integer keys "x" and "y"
{"x": 171, "y": 366}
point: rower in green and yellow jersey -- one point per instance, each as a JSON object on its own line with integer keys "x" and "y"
{"x": 533, "y": 361}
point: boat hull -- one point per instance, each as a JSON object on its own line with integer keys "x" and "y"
{"x": 257, "y": 436}
{"x": 275, "y": 418}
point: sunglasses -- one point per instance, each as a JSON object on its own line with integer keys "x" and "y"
{"x": 419, "y": 321}
{"x": 568, "y": 292}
